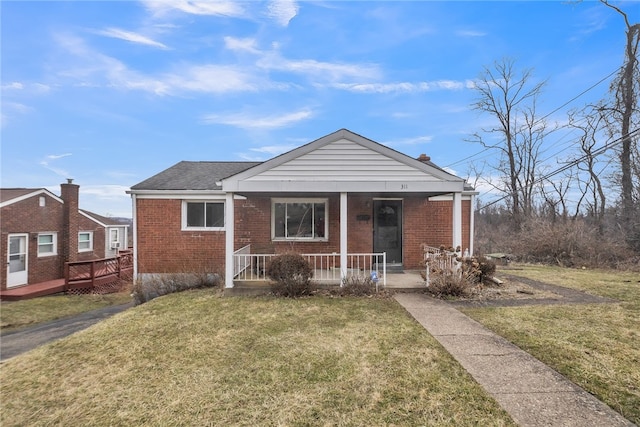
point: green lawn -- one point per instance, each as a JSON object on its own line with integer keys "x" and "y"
{"x": 597, "y": 346}
{"x": 197, "y": 359}
{"x": 20, "y": 314}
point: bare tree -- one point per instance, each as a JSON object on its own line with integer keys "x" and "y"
{"x": 510, "y": 99}
{"x": 588, "y": 122}
{"x": 626, "y": 89}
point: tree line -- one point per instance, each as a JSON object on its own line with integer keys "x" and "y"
{"x": 594, "y": 192}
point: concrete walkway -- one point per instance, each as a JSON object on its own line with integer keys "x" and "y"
{"x": 531, "y": 392}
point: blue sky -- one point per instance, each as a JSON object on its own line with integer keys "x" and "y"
{"x": 111, "y": 93}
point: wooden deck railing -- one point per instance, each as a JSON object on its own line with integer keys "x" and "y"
{"x": 98, "y": 272}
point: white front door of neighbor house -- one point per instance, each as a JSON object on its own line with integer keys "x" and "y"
{"x": 17, "y": 260}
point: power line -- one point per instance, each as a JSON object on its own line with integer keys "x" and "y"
{"x": 593, "y": 86}
{"x": 571, "y": 164}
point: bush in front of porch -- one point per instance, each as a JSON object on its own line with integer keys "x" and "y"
{"x": 291, "y": 274}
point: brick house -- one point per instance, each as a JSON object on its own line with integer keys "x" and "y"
{"x": 340, "y": 195}
{"x": 41, "y": 232}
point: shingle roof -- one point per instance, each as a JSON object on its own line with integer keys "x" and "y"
{"x": 13, "y": 193}
{"x": 103, "y": 219}
{"x": 187, "y": 175}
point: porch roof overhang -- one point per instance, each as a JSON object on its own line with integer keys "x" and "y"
{"x": 431, "y": 187}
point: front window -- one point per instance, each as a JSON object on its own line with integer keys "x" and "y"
{"x": 47, "y": 244}
{"x": 203, "y": 215}
{"x": 85, "y": 241}
{"x": 299, "y": 219}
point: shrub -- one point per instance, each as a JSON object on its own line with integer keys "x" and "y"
{"x": 357, "y": 286}
{"x": 291, "y": 274}
{"x": 449, "y": 284}
{"x": 477, "y": 269}
{"x": 150, "y": 286}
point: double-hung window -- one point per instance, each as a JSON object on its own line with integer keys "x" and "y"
{"x": 85, "y": 241}
{"x": 47, "y": 244}
{"x": 203, "y": 215}
{"x": 299, "y": 219}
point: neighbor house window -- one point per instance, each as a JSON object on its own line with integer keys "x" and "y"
{"x": 203, "y": 215}
{"x": 85, "y": 241}
{"x": 114, "y": 238}
{"x": 47, "y": 244}
{"x": 299, "y": 219}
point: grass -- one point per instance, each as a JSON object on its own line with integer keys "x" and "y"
{"x": 596, "y": 346}
{"x": 197, "y": 359}
{"x": 20, "y": 314}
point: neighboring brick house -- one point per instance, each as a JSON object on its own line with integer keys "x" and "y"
{"x": 341, "y": 194}
{"x": 41, "y": 232}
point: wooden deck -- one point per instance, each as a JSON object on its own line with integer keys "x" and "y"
{"x": 83, "y": 277}
{"x": 32, "y": 291}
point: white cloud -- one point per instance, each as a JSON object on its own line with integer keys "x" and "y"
{"x": 215, "y": 7}
{"x": 319, "y": 69}
{"x": 248, "y": 121}
{"x": 58, "y": 156}
{"x": 13, "y": 85}
{"x": 131, "y": 37}
{"x": 236, "y": 44}
{"x": 283, "y": 11}
{"x": 401, "y": 87}
{"x": 274, "y": 150}
{"x": 410, "y": 141}
{"x": 470, "y": 33}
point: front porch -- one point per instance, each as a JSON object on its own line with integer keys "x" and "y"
{"x": 250, "y": 271}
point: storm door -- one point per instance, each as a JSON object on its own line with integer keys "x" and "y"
{"x": 387, "y": 229}
{"x": 17, "y": 273}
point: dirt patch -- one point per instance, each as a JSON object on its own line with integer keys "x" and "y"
{"x": 510, "y": 288}
{"x": 514, "y": 291}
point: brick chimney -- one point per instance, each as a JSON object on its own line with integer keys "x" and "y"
{"x": 424, "y": 158}
{"x": 69, "y": 193}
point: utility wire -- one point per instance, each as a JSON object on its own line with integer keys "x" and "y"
{"x": 571, "y": 164}
{"x": 545, "y": 116}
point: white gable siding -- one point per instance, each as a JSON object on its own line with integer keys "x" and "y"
{"x": 343, "y": 160}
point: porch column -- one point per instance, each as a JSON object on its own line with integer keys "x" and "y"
{"x": 343, "y": 236}
{"x": 134, "y": 207}
{"x": 471, "y": 224}
{"x": 229, "y": 227}
{"x": 457, "y": 220}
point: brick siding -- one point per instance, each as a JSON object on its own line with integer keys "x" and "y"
{"x": 28, "y": 217}
{"x": 163, "y": 247}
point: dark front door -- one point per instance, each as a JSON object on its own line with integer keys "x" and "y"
{"x": 387, "y": 229}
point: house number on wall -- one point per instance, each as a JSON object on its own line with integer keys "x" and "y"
{"x": 404, "y": 186}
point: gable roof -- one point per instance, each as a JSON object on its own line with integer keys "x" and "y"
{"x": 102, "y": 220}
{"x": 344, "y": 161}
{"x": 187, "y": 175}
{"x": 9, "y": 196}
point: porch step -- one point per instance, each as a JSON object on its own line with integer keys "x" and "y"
{"x": 395, "y": 269}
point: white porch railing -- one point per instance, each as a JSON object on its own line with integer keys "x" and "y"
{"x": 248, "y": 266}
{"x": 439, "y": 259}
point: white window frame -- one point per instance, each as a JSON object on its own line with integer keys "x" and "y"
{"x": 90, "y": 248}
{"x": 53, "y": 243}
{"x": 287, "y": 200}
{"x": 205, "y": 228}
{"x": 111, "y": 240}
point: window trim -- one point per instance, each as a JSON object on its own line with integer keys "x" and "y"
{"x": 90, "y": 248}
{"x": 54, "y": 243}
{"x": 287, "y": 200}
{"x": 184, "y": 226}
